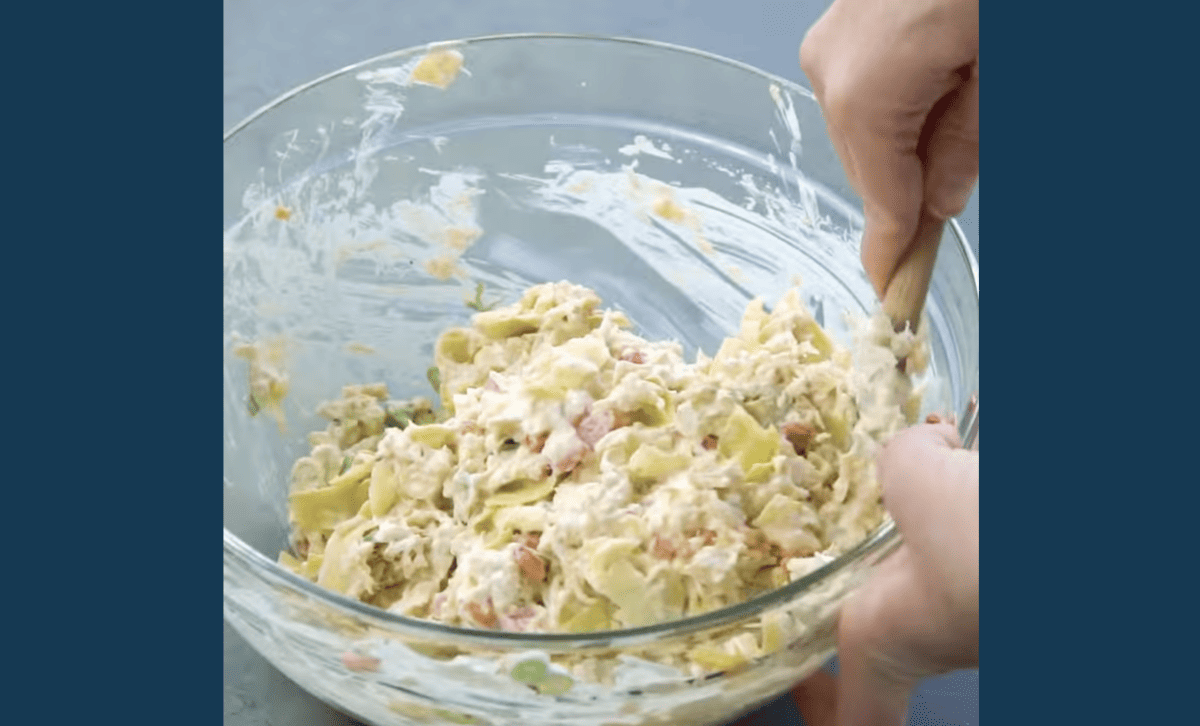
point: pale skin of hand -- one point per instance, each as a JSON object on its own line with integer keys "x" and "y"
{"x": 918, "y": 613}
{"x": 898, "y": 83}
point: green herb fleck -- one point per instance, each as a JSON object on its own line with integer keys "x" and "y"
{"x": 346, "y": 462}
{"x": 478, "y": 304}
{"x": 530, "y": 672}
{"x": 435, "y": 378}
{"x": 398, "y": 417}
{"x": 254, "y": 405}
{"x": 555, "y": 685}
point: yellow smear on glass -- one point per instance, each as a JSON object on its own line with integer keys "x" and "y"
{"x": 438, "y": 68}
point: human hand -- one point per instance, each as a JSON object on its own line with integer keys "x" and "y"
{"x": 898, "y": 82}
{"x": 918, "y": 613}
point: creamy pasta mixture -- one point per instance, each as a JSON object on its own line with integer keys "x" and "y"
{"x": 579, "y": 478}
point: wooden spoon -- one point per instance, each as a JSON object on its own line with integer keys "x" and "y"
{"x": 905, "y": 297}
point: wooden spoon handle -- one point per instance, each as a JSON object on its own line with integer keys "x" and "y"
{"x": 905, "y": 297}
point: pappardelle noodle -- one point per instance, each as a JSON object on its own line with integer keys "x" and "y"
{"x": 578, "y": 477}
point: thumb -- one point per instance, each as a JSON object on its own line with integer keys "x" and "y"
{"x": 931, "y": 489}
{"x": 952, "y": 151}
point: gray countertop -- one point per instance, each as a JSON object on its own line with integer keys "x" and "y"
{"x": 270, "y": 46}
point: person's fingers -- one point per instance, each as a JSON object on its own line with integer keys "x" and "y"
{"x": 917, "y": 615}
{"x": 910, "y": 465}
{"x": 810, "y": 58}
{"x": 879, "y": 636}
{"x": 931, "y": 489}
{"x": 876, "y": 98}
{"x": 878, "y": 146}
{"x": 812, "y": 55}
{"x": 883, "y": 142}
{"x": 816, "y": 699}
{"x": 952, "y": 151}
{"x": 887, "y": 233}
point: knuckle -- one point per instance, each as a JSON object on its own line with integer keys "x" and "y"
{"x": 810, "y": 53}
{"x": 839, "y": 104}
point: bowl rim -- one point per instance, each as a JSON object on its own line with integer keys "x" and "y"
{"x": 885, "y": 538}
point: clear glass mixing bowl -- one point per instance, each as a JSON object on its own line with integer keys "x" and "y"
{"x": 362, "y": 209}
